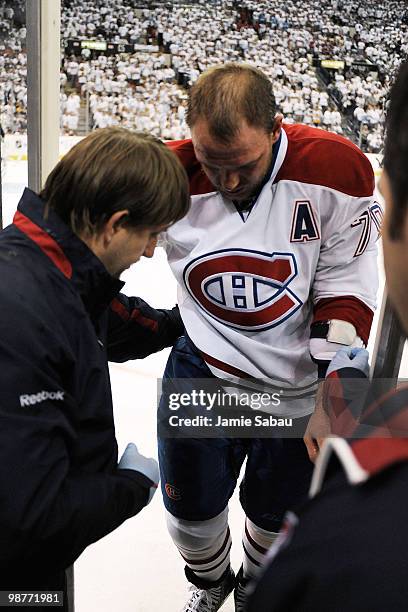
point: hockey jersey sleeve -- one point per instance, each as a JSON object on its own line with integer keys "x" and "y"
{"x": 346, "y": 279}
{"x": 137, "y": 330}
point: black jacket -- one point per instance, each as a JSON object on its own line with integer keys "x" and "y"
{"x": 61, "y": 318}
{"x": 346, "y": 550}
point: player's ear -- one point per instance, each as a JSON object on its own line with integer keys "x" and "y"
{"x": 277, "y": 126}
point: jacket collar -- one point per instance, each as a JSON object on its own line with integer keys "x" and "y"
{"x": 67, "y": 252}
{"x": 360, "y": 460}
{"x": 379, "y": 441}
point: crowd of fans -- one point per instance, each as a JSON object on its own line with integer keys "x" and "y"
{"x": 138, "y": 92}
{"x": 113, "y": 20}
{"x": 13, "y": 66}
{"x": 146, "y": 89}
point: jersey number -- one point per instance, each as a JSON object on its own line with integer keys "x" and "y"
{"x": 373, "y": 215}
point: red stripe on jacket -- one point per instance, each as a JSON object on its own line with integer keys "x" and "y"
{"x": 135, "y": 315}
{"x": 47, "y": 244}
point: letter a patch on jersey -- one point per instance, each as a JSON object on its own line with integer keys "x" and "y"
{"x": 304, "y": 226}
{"x": 244, "y": 289}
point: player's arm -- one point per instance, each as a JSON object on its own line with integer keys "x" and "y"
{"x": 346, "y": 280}
{"x": 344, "y": 290}
{"x": 51, "y": 509}
{"x": 137, "y": 330}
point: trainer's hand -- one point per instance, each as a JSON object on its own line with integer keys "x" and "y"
{"x": 318, "y": 427}
{"x": 348, "y": 357}
{"x": 133, "y": 460}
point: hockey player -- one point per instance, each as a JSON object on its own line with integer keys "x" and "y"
{"x": 62, "y": 318}
{"x": 347, "y": 548}
{"x": 276, "y": 264}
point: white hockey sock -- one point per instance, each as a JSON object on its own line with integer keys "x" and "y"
{"x": 256, "y": 543}
{"x": 204, "y": 545}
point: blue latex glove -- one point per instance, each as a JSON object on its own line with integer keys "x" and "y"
{"x": 133, "y": 460}
{"x": 348, "y": 357}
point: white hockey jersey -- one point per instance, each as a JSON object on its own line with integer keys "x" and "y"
{"x": 250, "y": 289}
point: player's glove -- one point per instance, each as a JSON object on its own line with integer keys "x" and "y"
{"x": 348, "y": 357}
{"x": 133, "y": 460}
{"x": 177, "y": 321}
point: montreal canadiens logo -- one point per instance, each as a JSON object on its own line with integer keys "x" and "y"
{"x": 172, "y": 492}
{"x": 245, "y": 289}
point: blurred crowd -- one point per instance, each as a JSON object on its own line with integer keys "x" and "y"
{"x": 138, "y": 92}
{"x": 13, "y": 66}
{"x": 146, "y": 89}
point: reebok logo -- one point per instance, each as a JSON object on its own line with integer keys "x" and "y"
{"x": 36, "y": 398}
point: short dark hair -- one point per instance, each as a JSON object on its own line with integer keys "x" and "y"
{"x": 396, "y": 150}
{"x": 115, "y": 169}
{"x": 224, "y": 95}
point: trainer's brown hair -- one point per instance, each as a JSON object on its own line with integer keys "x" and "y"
{"x": 224, "y": 95}
{"x": 115, "y": 169}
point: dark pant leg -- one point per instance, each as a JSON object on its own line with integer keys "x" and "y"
{"x": 198, "y": 475}
{"x": 277, "y": 478}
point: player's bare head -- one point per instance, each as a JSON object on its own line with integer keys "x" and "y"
{"x": 115, "y": 169}
{"x": 396, "y": 152}
{"x": 225, "y": 96}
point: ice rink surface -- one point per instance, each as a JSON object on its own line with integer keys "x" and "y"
{"x": 136, "y": 568}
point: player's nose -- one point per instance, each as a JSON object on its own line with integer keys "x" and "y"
{"x": 229, "y": 180}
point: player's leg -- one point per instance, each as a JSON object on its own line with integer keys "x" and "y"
{"x": 198, "y": 477}
{"x": 197, "y": 482}
{"x": 277, "y": 478}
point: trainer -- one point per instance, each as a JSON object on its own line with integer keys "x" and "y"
{"x": 62, "y": 318}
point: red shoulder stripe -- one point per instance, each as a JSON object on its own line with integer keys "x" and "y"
{"x": 199, "y": 182}
{"x": 47, "y": 244}
{"x": 321, "y": 158}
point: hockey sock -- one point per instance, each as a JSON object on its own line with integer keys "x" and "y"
{"x": 256, "y": 543}
{"x": 204, "y": 545}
